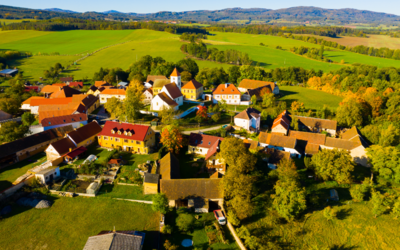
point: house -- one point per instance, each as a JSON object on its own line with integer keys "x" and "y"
{"x": 90, "y": 102}
{"x": 169, "y": 167}
{"x": 123, "y": 85}
{"x": 49, "y": 89}
{"x": 8, "y": 72}
{"x": 77, "y": 85}
{"x": 249, "y": 119}
{"x": 280, "y": 142}
{"x": 48, "y": 175}
{"x": 161, "y": 101}
{"x": 173, "y": 92}
{"x": 180, "y": 191}
{"x": 67, "y": 80}
{"x": 353, "y": 142}
{"x": 76, "y": 121}
{"x": 247, "y": 84}
{"x": 32, "y": 88}
{"x": 158, "y": 85}
{"x": 83, "y": 136}
{"x": 147, "y": 96}
{"x": 121, "y": 240}
{"x": 35, "y": 103}
{"x": 213, "y": 164}
{"x": 110, "y": 93}
{"x": 281, "y": 124}
{"x": 65, "y": 92}
{"x": 200, "y": 143}
{"x": 310, "y": 142}
{"x": 46, "y": 111}
{"x": 192, "y": 90}
{"x": 227, "y": 92}
{"x": 100, "y": 83}
{"x": 21, "y": 149}
{"x": 128, "y": 137}
{"x": 4, "y": 116}
{"x": 92, "y": 90}
{"x": 275, "y": 157}
{"x": 26, "y": 105}
{"x": 317, "y": 125}
{"x": 259, "y": 92}
{"x": 150, "y": 183}
{"x": 151, "y": 80}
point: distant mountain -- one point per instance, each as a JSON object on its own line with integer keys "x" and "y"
{"x": 296, "y": 14}
{"x": 61, "y": 10}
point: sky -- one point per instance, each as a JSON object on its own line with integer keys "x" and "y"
{"x": 151, "y": 6}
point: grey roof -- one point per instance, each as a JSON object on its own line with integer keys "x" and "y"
{"x": 123, "y": 84}
{"x": 151, "y": 178}
{"x": 114, "y": 241}
{"x": 9, "y": 71}
{"x": 45, "y": 171}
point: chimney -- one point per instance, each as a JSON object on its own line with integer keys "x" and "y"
{"x": 70, "y": 149}
{"x": 226, "y": 85}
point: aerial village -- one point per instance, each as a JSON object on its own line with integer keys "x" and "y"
{"x": 86, "y": 146}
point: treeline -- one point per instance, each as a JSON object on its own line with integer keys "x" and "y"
{"x": 200, "y": 50}
{"x": 7, "y": 56}
{"x": 192, "y": 37}
{"x": 313, "y": 53}
{"x": 81, "y": 24}
{"x": 360, "y": 49}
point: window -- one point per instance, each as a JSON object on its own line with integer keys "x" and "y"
{"x": 117, "y": 139}
{"x": 126, "y": 141}
{"x": 105, "y": 137}
{"x": 132, "y": 141}
{"x": 80, "y": 118}
{"x": 73, "y": 119}
{"x": 201, "y": 142}
{"x": 64, "y": 120}
{"x": 49, "y": 123}
{"x": 111, "y": 138}
{"x": 138, "y": 142}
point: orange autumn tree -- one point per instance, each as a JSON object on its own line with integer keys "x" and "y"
{"x": 172, "y": 139}
{"x": 201, "y": 114}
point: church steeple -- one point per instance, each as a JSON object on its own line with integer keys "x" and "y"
{"x": 176, "y": 78}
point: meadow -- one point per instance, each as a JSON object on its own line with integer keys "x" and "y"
{"x": 70, "y": 221}
{"x": 8, "y": 21}
{"x": 312, "y": 99}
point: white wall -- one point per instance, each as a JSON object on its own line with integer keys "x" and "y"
{"x": 198, "y": 150}
{"x": 157, "y": 104}
{"x": 243, "y": 123}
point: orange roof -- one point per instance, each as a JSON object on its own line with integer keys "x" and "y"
{"x": 193, "y": 84}
{"x": 55, "y": 101}
{"x": 226, "y": 89}
{"x": 50, "y": 89}
{"x": 254, "y": 84}
{"x": 175, "y": 73}
{"x": 46, "y": 111}
{"x": 28, "y": 101}
{"x": 59, "y": 84}
{"x": 99, "y": 83}
{"x": 113, "y": 92}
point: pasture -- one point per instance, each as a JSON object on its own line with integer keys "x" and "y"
{"x": 70, "y": 221}
{"x": 8, "y": 21}
{"x": 312, "y": 99}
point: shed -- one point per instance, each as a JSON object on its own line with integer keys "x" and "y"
{"x": 71, "y": 156}
{"x": 9, "y": 72}
{"x": 150, "y": 183}
{"x": 114, "y": 163}
{"x": 48, "y": 175}
{"x": 92, "y": 188}
{"x": 334, "y": 195}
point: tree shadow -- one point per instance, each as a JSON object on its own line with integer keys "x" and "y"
{"x": 343, "y": 247}
{"x": 344, "y": 213}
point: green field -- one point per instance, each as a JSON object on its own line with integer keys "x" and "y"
{"x": 8, "y": 21}
{"x": 312, "y": 99}
{"x": 70, "y": 221}
{"x": 9, "y": 174}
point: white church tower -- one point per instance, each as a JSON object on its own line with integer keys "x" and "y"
{"x": 176, "y": 78}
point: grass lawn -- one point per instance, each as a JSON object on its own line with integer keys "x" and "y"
{"x": 9, "y": 174}
{"x": 188, "y": 105}
{"x": 70, "y": 221}
{"x": 124, "y": 192}
{"x": 198, "y": 234}
{"x": 312, "y": 99}
{"x": 237, "y": 108}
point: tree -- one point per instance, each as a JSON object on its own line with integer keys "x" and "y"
{"x": 160, "y": 203}
{"x": 169, "y": 246}
{"x": 254, "y": 99}
{"x": 358, "y": 191}
{"x": 294, "y": 124}
{"x": 216, "y": 117}
{"x": 167, "y": 229}
{"x": 389, "y": 136}
{"x": 396, "y": 208}
{"x": 201, "y": 114}
{"x": 28, "y": 118}
{"x": 11, "y": 131}
{"x": 385, "y": 161}
{"x": 186, "y": 76}
{"x": 330, "y": 213}
{"x": 114, "y": 107}
{"x": 167, "y": 115}
{"x": 231, "y": 114}
{"x": 133, "y": 102}
{"x": 9, "y": 105}
{"x": 377, "y": 200}
{"x": 334, "y": 165}
{"x": 297, "y": 106}
{"x": 233, "y": 219}
{"x": 185, "y": 222}
{"x": 172, "y": 139}
{"x": 269, "y": 100}
{"x": 350, "y": 113}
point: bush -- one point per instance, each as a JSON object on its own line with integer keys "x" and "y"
{"x": 185, "y": 222}
{"x": 232, "y": 218}
{"x": 167, "y": 229}
{"x": 330, "y": 213}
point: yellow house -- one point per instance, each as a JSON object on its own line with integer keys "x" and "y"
{"x": 128, "y": 137}
{"x": 192, "y": 90}
{"x": 158, "y": 85}
{"x": 90, "y": 102}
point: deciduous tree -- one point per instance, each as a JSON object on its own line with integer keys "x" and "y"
{"x": 350, "y": 113}
{"x": 133, "y": 102}
{"x": 385, "y": 161}
{"x": 11, "y": 131}
{"x": 27, "y": 118}
{"x": 160, "y": 203}
{"x": 172, "y": 139}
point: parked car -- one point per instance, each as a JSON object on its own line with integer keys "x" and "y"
{"x": 220, "y": 216}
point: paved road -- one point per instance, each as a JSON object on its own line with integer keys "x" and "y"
{"x": 187, "y": 132}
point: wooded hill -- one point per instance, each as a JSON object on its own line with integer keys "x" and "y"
{"x": 297, "y": 14}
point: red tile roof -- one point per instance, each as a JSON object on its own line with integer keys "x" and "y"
{"x": 226, "y": 89}
{"x": 50, "y": 89}
{"x": 313, "y": 138}
{"x": 29, "y": 88}
{"x": 55, "y": 101}
{"x": 282, "y": 119}
{"x": 76, "y": 152}
{"x": 65, "y": 92}
{"x": 83, "y": 133}
{"x": 214, "y": 149}
{"x": 75, "y": 84}
{"x": 138, "y": 132}
{"x": 203, "y": 141}
{"x": 51, "y": 121}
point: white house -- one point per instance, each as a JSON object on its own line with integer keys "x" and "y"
{"x": 249, "y": 119}
{"x": 173, "y": 92}
{"x": 48, "y": 175}
{"x": 147, "y": 96}
{"x": 279, "y": 142}
{"x": 170, "y": 96}
{"x": 227, "y": 92}
{"x": 110, "y": 93}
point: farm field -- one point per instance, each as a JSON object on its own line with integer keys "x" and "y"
{"x": 9, "y": 174}
{"x": 376, "y": 41}
{"x": 70, "y": 221}
{"x": 8, "y": 21}
{"x": 277, "y": 57}
{"x": 312, "y": 99}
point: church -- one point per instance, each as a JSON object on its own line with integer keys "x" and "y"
{"x": 170, "y": 95}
